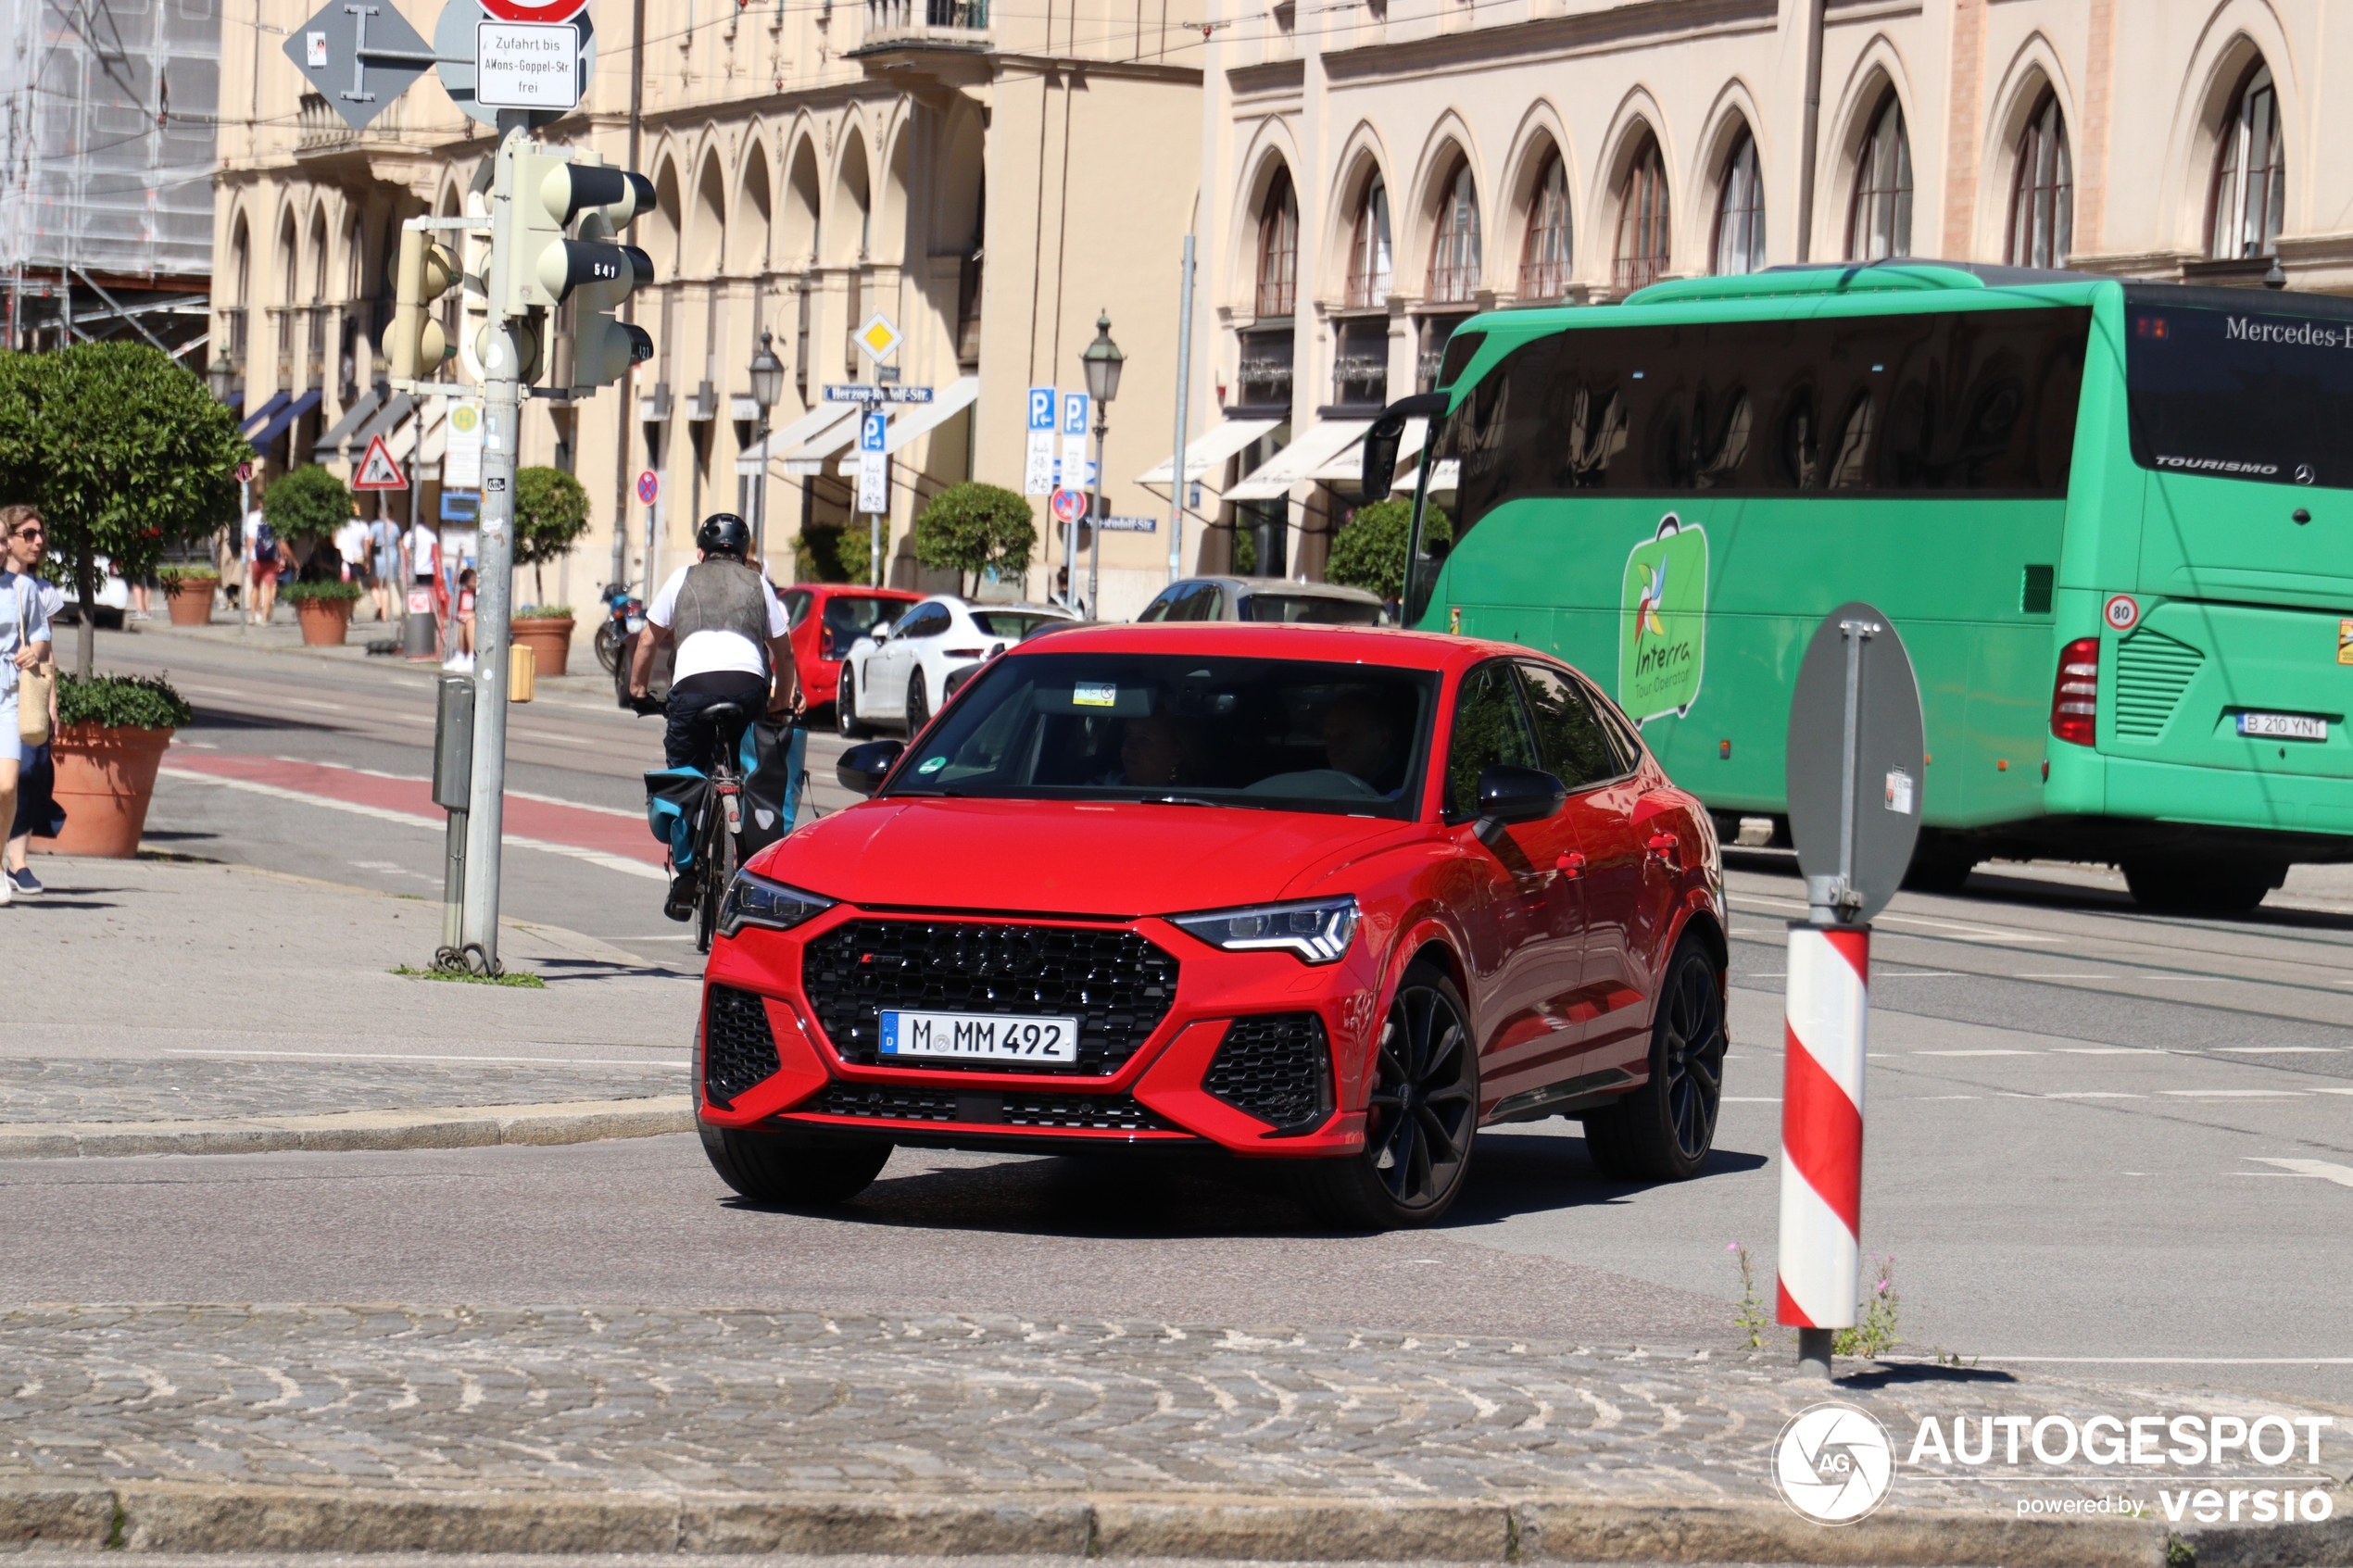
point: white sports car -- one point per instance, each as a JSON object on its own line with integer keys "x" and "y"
{"x": 903, "y": 670}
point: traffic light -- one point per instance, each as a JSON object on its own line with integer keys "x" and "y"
{"x": 414, "y": 343}
{"x": 547, "y": 267}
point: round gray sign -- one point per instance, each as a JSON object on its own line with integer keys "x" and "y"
{"x": 1855, "y": 814}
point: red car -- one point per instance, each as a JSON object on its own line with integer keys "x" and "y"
{"x": 826, "y": 619}
{"x": 1332, "y": 896}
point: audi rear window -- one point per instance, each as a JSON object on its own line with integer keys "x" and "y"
{"x": 1185, "y": 729}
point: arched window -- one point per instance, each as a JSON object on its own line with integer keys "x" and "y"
{"x": 1882, "y": 219}
{"x": 1369, "y": 280}
{"x": 1278, "y": 247}
{"x": 2250, "y": 172}
{"x": 1739, "y": 211}
{"x": 1543, "y": 265}
{"x": 1454, "y": 257}
{"x": 2043, "y": 192}
{"x": 1642, "y": 219}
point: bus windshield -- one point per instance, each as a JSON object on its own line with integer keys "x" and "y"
{"x": 2258, "y": 389}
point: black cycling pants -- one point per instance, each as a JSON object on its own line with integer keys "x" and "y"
{"x": 686, "y": 740}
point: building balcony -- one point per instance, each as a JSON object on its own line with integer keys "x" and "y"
{"x": 907, "y": 26}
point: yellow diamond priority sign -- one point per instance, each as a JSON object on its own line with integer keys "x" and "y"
{"x": 878, "y": 338}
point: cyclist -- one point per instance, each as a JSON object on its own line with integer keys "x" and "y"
{"x": 730, "y": 632}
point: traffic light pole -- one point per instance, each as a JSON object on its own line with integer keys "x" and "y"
{"x": 501, "y": 416}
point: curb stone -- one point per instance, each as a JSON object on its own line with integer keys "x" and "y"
{"x": 457, "y": 1128}
{"x": 187, "y": 1517}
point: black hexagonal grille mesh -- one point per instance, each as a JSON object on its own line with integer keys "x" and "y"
{"x": 737, "y": 1048}
{"x": 1277, "y": 1068}
{"x": 985, "y": 1107}
{"x": 1117, "y": 984}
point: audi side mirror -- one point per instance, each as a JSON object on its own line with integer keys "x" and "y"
{"x": 862, "y": 768}
{"x": 1508, "y": 794}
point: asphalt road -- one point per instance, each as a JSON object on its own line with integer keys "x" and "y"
{"x": 2111, "y": 1143}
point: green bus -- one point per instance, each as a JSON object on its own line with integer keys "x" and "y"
{"x": 2112, "y": 521}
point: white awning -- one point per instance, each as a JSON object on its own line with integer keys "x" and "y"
{"x": 1350, "y": 465}
{"x": 921, "y": 419}
{"x": 1297, "y": 462}
{"x": 810, "y": 439}
{"x": 1214, "y": 446}
{"x": 402, "y": 441}
{"x": 1446, "y": 476}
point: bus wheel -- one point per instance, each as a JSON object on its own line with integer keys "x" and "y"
{"x": 2191, "y": 885}
{"x": 1939, "y": 864}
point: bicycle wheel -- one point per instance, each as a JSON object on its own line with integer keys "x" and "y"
{"x": 718, "y": 870}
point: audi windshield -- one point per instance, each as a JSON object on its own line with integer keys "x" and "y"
{"x": 1184, "y": 729}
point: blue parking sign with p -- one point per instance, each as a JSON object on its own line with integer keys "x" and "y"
{"x": 1074, "y": 413}
{"x": 871, "y": 428}
{"x": 1041, "y": 408}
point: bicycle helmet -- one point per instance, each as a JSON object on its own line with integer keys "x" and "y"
{"x": 723, "y": 533}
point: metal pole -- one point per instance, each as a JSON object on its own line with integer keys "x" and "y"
{"x": 1854, "y": 632}
{"x": 502, "y": 394}
{"x": 759, "y": 498}
{"x": 874, "y": 547}
{"x": 453, "y": 884}
{"x": 1812, "y": 132}
{"x": 1095, "y": 511}
{"x": 1177, "y": 486}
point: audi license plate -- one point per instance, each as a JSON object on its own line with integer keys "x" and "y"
{"x": 2283, "y": 726}
{"x": 979, "y": 1036}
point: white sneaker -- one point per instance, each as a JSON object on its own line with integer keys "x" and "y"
{"x": 7, "y": 893}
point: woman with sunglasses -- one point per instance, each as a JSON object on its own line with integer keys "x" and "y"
{"x": 24, "y": 642}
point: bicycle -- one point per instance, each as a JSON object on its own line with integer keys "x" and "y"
{"x": 722, "y": 818}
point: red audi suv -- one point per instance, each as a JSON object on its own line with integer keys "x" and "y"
{"x": 1337, "y": 897}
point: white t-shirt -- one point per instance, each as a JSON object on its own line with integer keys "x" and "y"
{"x": 705, "y": 651}
{"x": 422, "y": 544}
{"x": 21, "y": 599}
{"x": 351, "y": 543}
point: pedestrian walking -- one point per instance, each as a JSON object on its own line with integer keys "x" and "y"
{"x": 383, "y": 565}
{"x": 24, "y": 642}
{"x": 270, "y": 560}
{"x": 351, "y": 545}
{"x": 466, "y": 612}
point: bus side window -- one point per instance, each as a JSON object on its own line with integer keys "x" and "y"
{"x": 1850, "y": 469}
{"x": 1800, "y": 440}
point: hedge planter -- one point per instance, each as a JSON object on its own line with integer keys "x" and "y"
{"x": 190, "y": 599}
{"x": 547, "y": 637}
{"x": 106, "y": 780}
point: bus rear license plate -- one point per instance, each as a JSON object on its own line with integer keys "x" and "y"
{"x": 2283, "y": 726}
{"x": 979, "y": 1036}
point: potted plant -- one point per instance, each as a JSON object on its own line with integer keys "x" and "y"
{"x": 551, "y": 511}
{"x": 110, "y": 738}
{"x": 188, "y": 591}
{"x": 323, "y": 608}
{"x": 125, "y": 454}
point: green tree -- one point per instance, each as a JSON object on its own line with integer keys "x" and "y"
{"x": 306, "y": 503}
{"x": 969, "y": 528}
{"x": 821, "y": 550}
{"x": 124, "y": 453}
{"x": 551, "y": 513}
{"x": 1370, "y": 552}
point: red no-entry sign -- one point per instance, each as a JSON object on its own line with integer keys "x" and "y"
{"x": 534, "y": 10}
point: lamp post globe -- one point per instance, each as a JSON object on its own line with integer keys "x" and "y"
{"x": 767, "y": 374}
{"x": 221, "y": 377}
{"x": 1102, "y": 360}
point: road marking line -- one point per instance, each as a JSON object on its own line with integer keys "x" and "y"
{"x": 623, "y": 813}
{"x": 593, "y": 857}
{"x": 1981, "y": 933}
{"x": 2088, "y": 1094}
{"x": 1977, "y": 1053}
{"x": 423, "y": 1056}
{"x": 2109, "y": 1051}
{"x": 2341, "y": 1174}
{"x": 2235, "y": 1094}
{"x": 1918, "y": 974}
{"x": 2027, "y": 974}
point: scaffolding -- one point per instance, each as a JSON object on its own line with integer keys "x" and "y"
{"x": 106, "y": 216}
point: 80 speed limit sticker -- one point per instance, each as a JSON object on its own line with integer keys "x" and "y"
{"x": 2123, "y": 612}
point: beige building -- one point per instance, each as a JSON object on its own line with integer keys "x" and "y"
{"x": 990, "y": 182}
{"x": 1377, "y": 170}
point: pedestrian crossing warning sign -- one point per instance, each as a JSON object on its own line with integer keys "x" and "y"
{"x": 377, "y": 470}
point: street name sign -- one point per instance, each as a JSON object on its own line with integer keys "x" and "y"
{"x": 359, "y": 55}
{"x": 1857, "y": 764}
{"x": 858, "y": 392}
{"x": 377, "y": 470}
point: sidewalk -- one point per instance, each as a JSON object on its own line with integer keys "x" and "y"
{"x": 463, "y": 1429}
{"x": 265, "y": 1016}
{"x": 586, "y": 683}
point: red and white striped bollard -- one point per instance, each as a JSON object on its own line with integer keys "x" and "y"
{"x": 1822, "y": 1235}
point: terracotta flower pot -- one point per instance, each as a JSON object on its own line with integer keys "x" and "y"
{"x": 190, "y": 599}
{"x": 324, "y": 622}
{"x": 550, "y": 639}
{"x": 106, "y": 779}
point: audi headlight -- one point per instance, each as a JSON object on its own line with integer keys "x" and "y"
{"x": 1317, "y": 931}
{"x": 755, "y": 900}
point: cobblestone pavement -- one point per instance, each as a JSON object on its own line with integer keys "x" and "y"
{"x": 453, "y": 1399}
{"x": 50, "y": 1090}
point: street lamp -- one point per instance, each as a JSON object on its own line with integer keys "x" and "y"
{"x": 1102, "y": 360}
{"x": 767, "y": 385}
{"x": 223, "y": 377}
